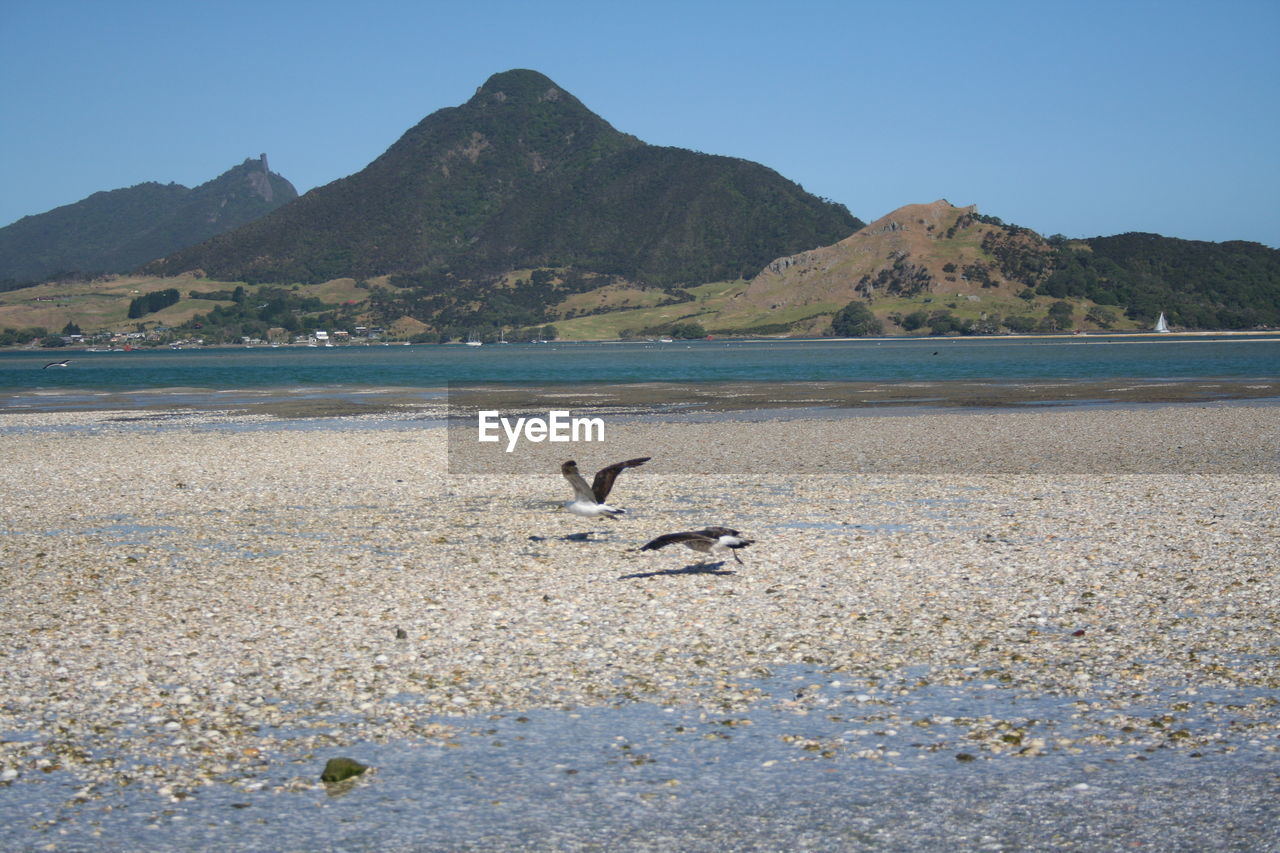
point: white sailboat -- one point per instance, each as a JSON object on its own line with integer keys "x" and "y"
{"x": 472, "y": 342}
{"x": 1162, "y": 325}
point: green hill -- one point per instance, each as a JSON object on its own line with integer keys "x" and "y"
{"x": 940, "y": 269}
{"x": 118, "y": 230}
{"x": 1197, "y": 284}
{"x": 523, "y": 176}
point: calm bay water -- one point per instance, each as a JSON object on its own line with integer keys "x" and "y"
{"x": 186, "y": 376}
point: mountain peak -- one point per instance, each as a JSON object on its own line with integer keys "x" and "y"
{"x": 926, "y": 217}
{"x": 518, "y": 84}
{"x": 524, "y": 175}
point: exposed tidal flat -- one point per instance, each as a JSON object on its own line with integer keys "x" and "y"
{"x": 990, "y": 629}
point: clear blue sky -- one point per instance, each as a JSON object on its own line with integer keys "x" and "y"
{"x": 1075, "y": 118}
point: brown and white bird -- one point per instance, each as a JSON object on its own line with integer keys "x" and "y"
{"x": 589, "y": 501}
{"x": 708, "y": 540}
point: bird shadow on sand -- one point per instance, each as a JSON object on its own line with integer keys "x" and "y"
{"x": 693, "y": 569}
{"x": 570, "y": 537}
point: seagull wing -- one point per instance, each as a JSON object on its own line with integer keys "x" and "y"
{"x": 581, "y": 490}
{"x": 676, "y": 539}
{"x": 717, "y": 532}
{"x": 603, "y": 482}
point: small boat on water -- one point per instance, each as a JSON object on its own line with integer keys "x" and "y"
{"x": 1162, "y": 325}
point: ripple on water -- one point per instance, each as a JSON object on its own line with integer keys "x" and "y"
{"x": 896, "y": 763}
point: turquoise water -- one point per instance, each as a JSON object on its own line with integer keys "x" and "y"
{"x": 25, "y": 383}
{"x": 697, "y": 361}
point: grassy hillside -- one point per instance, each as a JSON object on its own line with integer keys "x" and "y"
{"x": 629, "y": 314}
{"x": 610, "y": 312}
{"x": 718, "y": 309}
{"x": 103, "y": 305}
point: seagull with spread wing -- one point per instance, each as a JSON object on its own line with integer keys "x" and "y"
{"x": 589, "y": 501}
{"x": 708, "y": 540}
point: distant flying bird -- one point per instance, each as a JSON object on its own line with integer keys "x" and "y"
{"x": 589, "y": 500}
{"x": 708, "y": 540}
{"x": 62, "y": 363}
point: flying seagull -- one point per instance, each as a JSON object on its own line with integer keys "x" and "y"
{"x": 589, "y": 500}
{"x": 708, "y": 540}
{"x": 62, "y": 363}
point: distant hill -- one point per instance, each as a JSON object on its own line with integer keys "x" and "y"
{"x": 523, "y": 176}
{"x": 919, "y": 248}
{"x": 1197, "y": 284}
{"x": 119, "y": 230}
{"x": 1002, "y": 277}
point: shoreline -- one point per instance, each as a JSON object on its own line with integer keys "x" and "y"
{"x": 649, "y": 398}
{"x": 766, "y": 339}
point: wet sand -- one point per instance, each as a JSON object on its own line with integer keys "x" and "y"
{"x": 676, "y": 398}
{"x": 681, "y": 398}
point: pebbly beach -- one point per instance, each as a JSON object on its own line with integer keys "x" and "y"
{"x": 1075, "y": 606}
